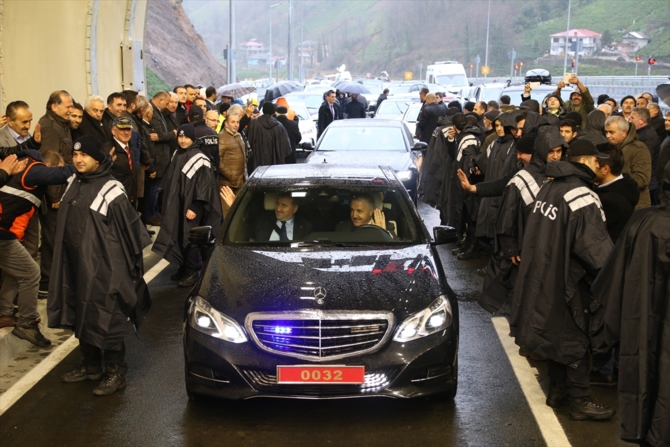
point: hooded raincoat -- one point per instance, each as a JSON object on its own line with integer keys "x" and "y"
{"x": 97, "y": 275}
{"x": 564, "y": 244}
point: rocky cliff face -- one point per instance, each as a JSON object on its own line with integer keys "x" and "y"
{"x": 175, "y": 51}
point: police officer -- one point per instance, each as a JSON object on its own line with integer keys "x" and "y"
{"x": 564, "y": 245}
{"x": 96, "y": 286}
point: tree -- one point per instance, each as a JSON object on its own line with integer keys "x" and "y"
{"x": 607, "y": 38}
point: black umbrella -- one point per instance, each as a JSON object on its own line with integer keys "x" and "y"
{"x": 280, "y": 89}
{"x": 663, "y": 92}
{"x": 353, "y": 88}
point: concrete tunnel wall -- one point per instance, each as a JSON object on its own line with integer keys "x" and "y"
{"x": 72, "y": 45}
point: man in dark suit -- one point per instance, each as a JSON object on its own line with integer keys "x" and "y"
{"x": 328, "y": 112}
{"x": 287, "y": 226}
{"x": 293, "y": 131}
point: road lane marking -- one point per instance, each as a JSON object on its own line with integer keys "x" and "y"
{"x": 25, "y": 383}
{"x": 546, "y": 419}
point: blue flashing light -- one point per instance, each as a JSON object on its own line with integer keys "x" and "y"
{"x": 282, "y": 330}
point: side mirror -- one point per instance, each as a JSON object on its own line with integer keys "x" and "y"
{"x": 200, "y": 236}
{"x": 444, "y": 235}
{"x": 420, "y": 146}
{"x": 307, "y": 146}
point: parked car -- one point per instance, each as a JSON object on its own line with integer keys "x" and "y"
{"x": 312, "y": 100}
{"x": 487, "y": 92}
{"x": 366, "y": 142}
{"x": 411, "y": 115}
{"x": 306, "y": 123}
{"x": 334, "y": 313}
{"x": 394, "y": 108}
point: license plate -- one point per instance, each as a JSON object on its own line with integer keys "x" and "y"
{"x": 331, "y": 375}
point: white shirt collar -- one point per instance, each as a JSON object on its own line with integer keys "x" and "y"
{"x": 612, "y": 181}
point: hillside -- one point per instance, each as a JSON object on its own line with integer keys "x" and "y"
{"x": 176, "y": 54}
{"x": 397, "y": 35}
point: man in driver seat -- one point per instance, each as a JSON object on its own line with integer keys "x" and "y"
{"x": 287, "y": 226}
{"x": 363, "y": 212}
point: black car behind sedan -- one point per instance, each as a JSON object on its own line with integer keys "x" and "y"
{"x": 365, "y": 142}
{"x": 329, "y": 305}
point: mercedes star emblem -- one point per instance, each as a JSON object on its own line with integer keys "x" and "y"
{"x": 320, "y": 294}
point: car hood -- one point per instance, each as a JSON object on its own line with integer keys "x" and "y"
{"x": 239, "y": 280}
{"x": 398, "y": 161}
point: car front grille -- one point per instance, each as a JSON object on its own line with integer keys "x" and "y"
{"x": 375, "y": 381}
{"x": 320, "y": 335}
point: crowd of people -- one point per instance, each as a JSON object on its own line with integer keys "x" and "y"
{"x": 544, "y": 190}
{"x": 569, "y": 201}
{"x": 81, "y": 196}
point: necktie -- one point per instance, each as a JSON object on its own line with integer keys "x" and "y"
{"x": 130, "y": 160}
{"x": 332, "y": 111}
{"x": 282, "y": 232}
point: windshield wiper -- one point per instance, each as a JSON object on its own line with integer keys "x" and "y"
{"x": 328, "y": 242}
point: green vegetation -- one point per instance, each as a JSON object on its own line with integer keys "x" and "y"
{"x": 395, "y": 35}
{"x": 154, "y": 83}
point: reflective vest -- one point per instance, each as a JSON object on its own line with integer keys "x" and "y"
{"x": 18, "y": 204}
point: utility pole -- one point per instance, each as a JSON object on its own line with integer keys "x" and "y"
{"x": 486, "y": 57}
{"x": 231, "y": 50}
{"x": 512, "y": 57}
{"x": 290, "y": 45}
{"x": 301, "y": 76}
{"x": 565, "y": 51}
{"x": 271, "y": 61}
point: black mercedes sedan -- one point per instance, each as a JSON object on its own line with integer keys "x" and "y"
{"x": 323, "y": 283}
{"x": 371, "y": 142}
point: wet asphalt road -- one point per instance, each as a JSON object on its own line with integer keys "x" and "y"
{"x": 489, "y": 409}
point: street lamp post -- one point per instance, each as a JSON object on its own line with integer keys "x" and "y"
{"x": 565, "y": 51}
{"x": 290, "y": 45}
{"x": 486, "y": 56}
{"x": 271, "y": 61}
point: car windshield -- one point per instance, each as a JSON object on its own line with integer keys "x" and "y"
{"x": 391, "y": 109}
{"x": 356, "y": 138}
{"x": 491, "y": 94}
{"x": 301, "y": 111}
{"x": 311, "y": 101}
{"x": 413, "y": 113}
{"x": 408, "y": 88}
{"x": 451, "y": 79}
{"x": 321, "y": 215}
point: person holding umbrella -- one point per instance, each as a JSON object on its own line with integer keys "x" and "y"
{"x": 355, "y": 108}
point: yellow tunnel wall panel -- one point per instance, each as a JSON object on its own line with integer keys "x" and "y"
{"x": 45, "y": 48}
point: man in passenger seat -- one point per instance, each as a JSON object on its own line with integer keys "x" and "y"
{"x": 287, "y": 226}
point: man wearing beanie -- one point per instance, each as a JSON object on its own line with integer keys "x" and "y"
{"x": 190, "y": 199}
{"x": 564, "y": 245}
{"x": 20, "y": 199}
{"x": 269, "y": 142}
{"x": 97, "y": 287}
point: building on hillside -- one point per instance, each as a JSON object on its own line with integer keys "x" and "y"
{"x": 250, "y": 52}
{"x": 632, "y": 41}
{"x": 588, "y": 41}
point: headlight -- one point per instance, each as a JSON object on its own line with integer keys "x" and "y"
{"x": 204, "y": 318}
{"x": 404, "y": 175}
{"x": 432, "y": 319}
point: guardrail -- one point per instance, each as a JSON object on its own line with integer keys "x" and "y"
{"x": 607, "y": 81}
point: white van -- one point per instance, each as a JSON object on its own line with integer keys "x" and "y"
{"x": 450, "y": 74}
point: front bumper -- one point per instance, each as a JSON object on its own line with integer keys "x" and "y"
{"x": 242, "y": 371}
